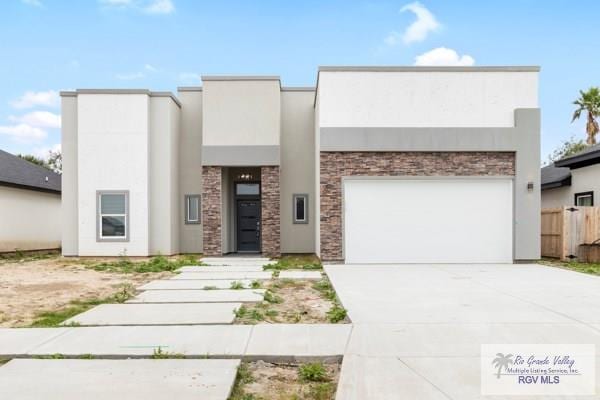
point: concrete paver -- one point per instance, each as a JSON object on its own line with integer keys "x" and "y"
{"x": 157, "y": 314}
{"x": 222, "y": 268}
{"x": 235, "y": 275}
{"x": 117, "y": 379}
{"x": 298, "y": 342}
{"x": 169, "y": 284}
{"x": 199, "y": 296}
{"x": 227, "y": 260}
{"x": 134, "y": 341}
{"x": 14, "y": 341}
{"x": 309, "y": 275}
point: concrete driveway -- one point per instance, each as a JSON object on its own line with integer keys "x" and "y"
{"x": 418, "y": 328}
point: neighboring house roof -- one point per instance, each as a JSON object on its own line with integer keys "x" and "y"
{"x": 589, "y": 156}
{"x": 17, "y": 172}
{"x": 553, "y": 177}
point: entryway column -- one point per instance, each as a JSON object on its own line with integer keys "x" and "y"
{"x": 270, "y": 214}
{"x": 211, "y": 211}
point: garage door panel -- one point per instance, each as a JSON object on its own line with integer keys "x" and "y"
{"x": 428, "y": 221}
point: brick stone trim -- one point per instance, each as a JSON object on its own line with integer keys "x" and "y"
{"x": 335, "y": 165}
{"x": 270, "y": 212}
{"x": 211, "y": 211}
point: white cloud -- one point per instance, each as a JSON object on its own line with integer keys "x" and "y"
{"x": 38, "y": 119}
{"x": 190, "y": 77}
{"x": 444, "y": 56}
{"x": 146, "y": 6}
{"x": 23, "y": 133}
{"x": 159, "y": 7}
{"x": 35, "y": 3}
{"x": 150, "y": 68}
{"x": 32, "y": 99}
{"x": 419, "y": 29}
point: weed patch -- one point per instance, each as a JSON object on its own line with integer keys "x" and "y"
{"x": 307, "y": 262}
{"x": 313, "y": 372}
{"x": 260, "y": 380}
{"x": 586, "y": 268}
{"x": 236, "y": 285}
{"x": 156, "y": 264}
{"x": 48, "y": 319}
{"x": 160, "y": 354}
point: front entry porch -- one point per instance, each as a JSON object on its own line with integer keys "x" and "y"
{"x": 240, "y": 210}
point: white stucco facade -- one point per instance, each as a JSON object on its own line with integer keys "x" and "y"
{"x": 161, "y": 149}
{"x": 424, "y": 99}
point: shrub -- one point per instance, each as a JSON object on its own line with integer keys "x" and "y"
{"x": 313, "y": 372}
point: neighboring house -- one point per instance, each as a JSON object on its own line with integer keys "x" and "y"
{"x": 573, "y": 181}
{"x": 30, "y": 208}
{"x": 375, "y": 164}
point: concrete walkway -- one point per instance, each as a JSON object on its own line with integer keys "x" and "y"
{"x": 270, "y": 342}
{"x": 157, "y": 314}
{"x": 194, "y": 284}
{"x": 222, "y": 275}
{"x": 222, "y": 268}
{"x": 418, "y": 328}
{"x": 123, "y": 379}
{"x": 199, "y": 296}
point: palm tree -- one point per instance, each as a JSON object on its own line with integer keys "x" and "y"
{"x": 502, "y": 361}
{"x": 589, "y": 101}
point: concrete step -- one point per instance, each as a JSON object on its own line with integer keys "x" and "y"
{"x": 235, "y": 259}
{"x": 221, "y": 268}
{"x": 261, "y": 275}
{"x": 276, "y": 342}
{"x": 157, "y": 314}
{"x": 117, "y": 379}
{"x": 218, "y": 341}
{"x": 300, "y": 274}
{"x": 199, "y": 296}
{"x": 169, "y": 284}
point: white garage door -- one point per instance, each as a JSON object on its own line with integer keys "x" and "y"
{"x": 428, "y": 221}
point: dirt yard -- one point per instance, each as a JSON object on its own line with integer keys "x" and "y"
{"x": 30, "y": 287}
{"x": 291, "y": 302}
{"x": 266, "y": 381}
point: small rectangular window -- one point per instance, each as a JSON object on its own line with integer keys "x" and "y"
{"x": 113, "y": 211}
{"x": 300, "y": 209}
{"x": 247, "y": 189}
{"x": 192, "y": 209}
{"x": 584, "y": 199}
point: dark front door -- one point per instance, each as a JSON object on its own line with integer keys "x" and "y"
{"x": 248, "y": 225}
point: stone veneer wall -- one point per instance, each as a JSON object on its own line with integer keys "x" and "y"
{"x": 335, "y": 165}
{"x": 211, "y": 211}
{"x": 270, "y": 214}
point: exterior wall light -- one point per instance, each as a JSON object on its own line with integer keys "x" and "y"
{"x": 530, "y": 186}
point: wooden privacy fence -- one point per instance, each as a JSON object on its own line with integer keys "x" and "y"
{"x": 566, "y": 229}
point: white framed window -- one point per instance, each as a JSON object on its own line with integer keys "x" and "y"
{"x": 584, "y": 199}
{"x": 113, "y": 216}
{"x": 300, "y": 210}
{"x": 192, "y": 209}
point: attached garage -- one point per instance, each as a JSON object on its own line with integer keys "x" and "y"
{"x": 441, "y": 220}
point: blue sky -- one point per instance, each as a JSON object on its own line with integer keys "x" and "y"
{"x": 51, "y": 45}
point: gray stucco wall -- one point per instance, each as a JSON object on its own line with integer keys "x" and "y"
{"x": 190, "y": 166}
{"x": 523, "y": 139}
{"x": 586, "y": 179}
{"x": 69, "y": 202}
{"x": 297, "y": 169}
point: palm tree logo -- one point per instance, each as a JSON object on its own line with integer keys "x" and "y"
{"x": 501, "y": 361}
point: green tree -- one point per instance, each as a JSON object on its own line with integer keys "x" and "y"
{"x": 567, "y": 148}
{"x": 55, "y": 161}
{"x": 589, "y": 101}
{"x": 33, "y": 159}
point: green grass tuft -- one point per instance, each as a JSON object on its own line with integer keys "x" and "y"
{"x": 308, "y": 262}
{"x": 236, "y": 285}
{"x": 313, "y": 372}
{"x": 158, "y": 263}
{"x": 337, "y": 314}
{"x": 160, "y": 354}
